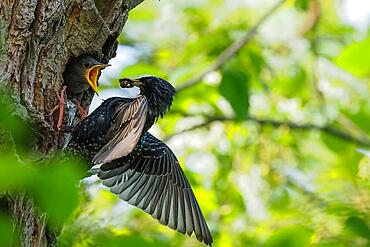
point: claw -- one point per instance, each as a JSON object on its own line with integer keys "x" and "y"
{"x": 83, "y": 113}
{"x": 59, "y": 106}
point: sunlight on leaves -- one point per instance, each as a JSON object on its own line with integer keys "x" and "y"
{"x": 356, "y": 58}
{"x": 296, "y": 236}
{"x": 234, "y": 87}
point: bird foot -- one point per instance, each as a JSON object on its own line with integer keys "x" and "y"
{"x": 83, "y": 113}
{"x": 59, "y": 106}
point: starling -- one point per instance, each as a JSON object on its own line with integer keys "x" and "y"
{"x": 141, "y": 169}
{"x": 81, "y": 73}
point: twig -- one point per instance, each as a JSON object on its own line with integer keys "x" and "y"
{"x": 230, "y": 51}
{"x": 327, "y": 129}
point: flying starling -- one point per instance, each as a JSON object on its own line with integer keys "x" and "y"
{"x": 81, "y": 73}
{"x": 134, "y": 164}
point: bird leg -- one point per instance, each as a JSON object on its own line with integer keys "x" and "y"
{"x": 59, "y": 106}
{"x": 81, "y": 110}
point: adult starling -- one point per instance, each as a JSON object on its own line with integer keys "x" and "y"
{"x": 81, "y": 73}
{"x": 134, "y": 164}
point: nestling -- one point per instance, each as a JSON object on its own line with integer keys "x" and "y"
{"x": 81, "y": 74}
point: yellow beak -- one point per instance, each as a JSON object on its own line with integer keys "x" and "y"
{"x": 92, "y": 75}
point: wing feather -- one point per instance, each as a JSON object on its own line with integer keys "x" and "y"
{"x": 152, "y": 179}
{"x": 129, "y": 120}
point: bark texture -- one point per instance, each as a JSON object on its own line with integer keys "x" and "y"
{"x": 39, "y": 37}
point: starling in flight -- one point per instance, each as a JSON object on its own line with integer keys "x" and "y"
{"x": 81, "y": 73}
{"x": 141, "y": 169}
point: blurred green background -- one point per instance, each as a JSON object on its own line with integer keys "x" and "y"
{"x": 273, "y": 137}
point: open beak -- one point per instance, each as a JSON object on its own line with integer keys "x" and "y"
{"x": 92, "y": 75}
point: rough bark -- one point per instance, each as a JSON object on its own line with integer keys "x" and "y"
{"x": 39, "y": 37}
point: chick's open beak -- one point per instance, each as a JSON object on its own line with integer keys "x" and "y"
{"x": 92, "y": 75}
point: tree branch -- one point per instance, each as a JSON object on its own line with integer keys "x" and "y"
{"x": 277, "y": 123}
{"x": 230, "y": 51}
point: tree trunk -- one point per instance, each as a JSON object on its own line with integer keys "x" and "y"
{"x": 39, "y": 37}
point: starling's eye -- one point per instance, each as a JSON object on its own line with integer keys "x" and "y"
{"x": 86, "y": 65}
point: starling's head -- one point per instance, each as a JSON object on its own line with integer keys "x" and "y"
{"x": 85, "y": 69}
{"x": 150, "y": 86}
{"x": 158, "y": 91}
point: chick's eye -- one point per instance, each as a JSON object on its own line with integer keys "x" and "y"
{"x": 86, "y": 65}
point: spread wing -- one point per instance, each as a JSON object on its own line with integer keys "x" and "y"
{"x": 152, "y": 179}
{"x": 127, "y": 124}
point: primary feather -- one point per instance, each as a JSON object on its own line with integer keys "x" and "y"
{"x": 135, "y": 165}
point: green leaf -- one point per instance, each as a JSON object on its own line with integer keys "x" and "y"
{"x": 234, "y": 87}
{"x": 361, "y": 117}
{"x": 295, "y": 236}
{"x": 358, "y": 227}
{"x": 349, "y": 156}
{"x": 143, "y": 15}
{"x": 6, "y": 230}
{"x": 330, "y": 245}
{"x": 292, "y": 84}
{"x": 108, "y": 238}
{"x": 14, "y": 175}
{"x": 14, "y": 124}
{"x": 197, "y": 19}
{"x": 279, "y": 198}
{"x": 334, "y": 143}
{"x": 55, "y": 189}
{"x": 302, "y": 4}
{"x": 256, "y": 60}
{"x": 356, "y": 58}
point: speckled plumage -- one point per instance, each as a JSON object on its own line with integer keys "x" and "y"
{"x": 146, "y": 174}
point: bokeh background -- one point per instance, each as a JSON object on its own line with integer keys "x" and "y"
{"x": 274, "y": 135}
{"x": 273, "y": 141}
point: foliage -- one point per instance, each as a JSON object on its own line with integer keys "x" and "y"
{"x": 274, "y": 141}
{"x": 234, "y": 87}
{"x": 356, "y": 58}
{"x": 287, "y": 183}
{"x": 51, "y": 185}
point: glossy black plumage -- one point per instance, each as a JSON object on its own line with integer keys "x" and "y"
{"x": 146, "y": 174}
